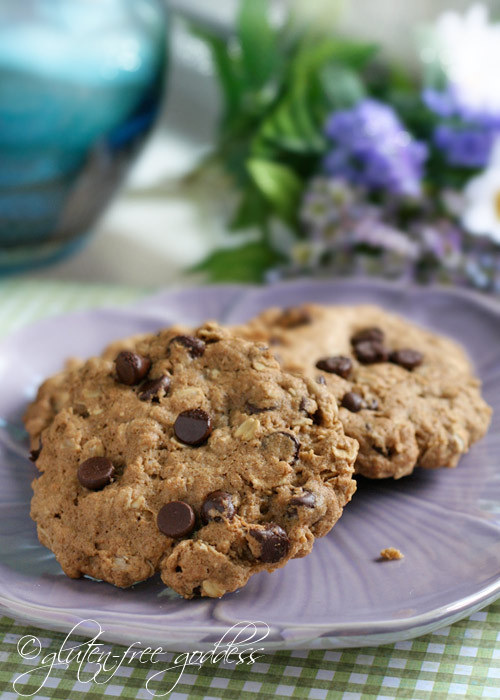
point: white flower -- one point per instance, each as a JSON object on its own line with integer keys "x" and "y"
{"x": 468, "y": 49}
{"x": 482, "y": 200}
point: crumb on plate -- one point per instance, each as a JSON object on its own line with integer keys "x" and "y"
{"x": 391, "y": 553}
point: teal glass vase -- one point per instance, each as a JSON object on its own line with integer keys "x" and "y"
{"x": 80, "y": 86}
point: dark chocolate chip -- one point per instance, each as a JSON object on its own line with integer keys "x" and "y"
{"x": 368, "y": 334}
{"x": 286, "y": 446}
{"x": 96, "y": 473}
{"x": 176, "y": 519}
{"x": 353, "y": 402}
{"x": 252, "y": 408}
{"x": 35, "y": 454}
{"x": 407, "y": 358}
{"x": 318, "y": 417}
{"x": 131, "y": 368}
{"x": 274, "y": 543}
{"x": 294, "y": 317}
{"x": 385, "y": 451}
{"x": 308, "y": 500}
{"x": 216, "y": 506}
{"x": 154, "y": 388}
{"x": 336, "y": 365}
{"x": 195, "y": 346}
{"x": 370, "y": 351}
{"x": 321, "y": 379}
{"x": 193, "y": 427}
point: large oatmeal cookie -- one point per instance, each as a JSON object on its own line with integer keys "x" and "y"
{"x": 408, "y": 396}
{"x": 193, "y": 455}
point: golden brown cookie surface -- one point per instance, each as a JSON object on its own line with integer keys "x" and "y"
{"x": 408, "y": 396}
{"x": 193, "y": 455}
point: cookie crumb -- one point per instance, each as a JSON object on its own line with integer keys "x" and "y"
{"x": 391, "y": 553}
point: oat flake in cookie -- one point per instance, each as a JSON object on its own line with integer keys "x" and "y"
{"x": 409, "y": 396}
{"x": 191, "y": 455}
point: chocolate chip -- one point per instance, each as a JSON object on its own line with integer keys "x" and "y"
{"x": 285, "y": 445}
{"x": 336, "y": 365}
{"x": 352, "y": 401}
{"x": 151, "y": 390}
{"x": 318, "y": 417}
{"x": 193, "y": 427}
{"x": 252, "y": 408}
{"x": 407, "y": 358}
{"x": 195, "y": 346}
{"x": 274, "y": 543}
{"x": 216, "y": 506}
{"x": 368, "y": 334}
{"x": 294, "y": 317}
{"x": 370, "y": 351}
{"x": 35, "y": 454}
{"x": 373, "y": 405}
{"x": 321, "y": 379}
{"x": 96, "y": 473}
{"x": 131, "y": 368}
{"x": 176, "y": 519}
{"x": 385, "y": 451}
{"x": 308, "y": 500}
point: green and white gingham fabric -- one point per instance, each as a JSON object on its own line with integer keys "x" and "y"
{"x": 461, "y": 661}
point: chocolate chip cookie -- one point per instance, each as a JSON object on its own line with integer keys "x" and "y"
{"x": 194, "y": 455}
{"x": 408, "y": 396}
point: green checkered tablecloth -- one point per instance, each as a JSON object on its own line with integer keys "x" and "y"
{"x": 461, "y": 661}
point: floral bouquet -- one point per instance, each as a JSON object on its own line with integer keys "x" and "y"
{"x": 343, "y": 162}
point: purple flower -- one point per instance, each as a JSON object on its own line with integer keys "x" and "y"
{"x": 467, "y": 146}
{"x": 441, "y": 103}
{"x": 442, "y": 240}
{"x": 325, "y": 202}
{"x": 446, "y": 103}
{"x": 339, "y": 218}
{"x": 382, "y": 236}
{"x": 371, "y": 147}
{"x": 465, "y": 138}
{"x": 347, "y": 233}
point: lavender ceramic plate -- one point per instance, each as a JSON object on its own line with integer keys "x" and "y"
{"x": 447, "y": 522}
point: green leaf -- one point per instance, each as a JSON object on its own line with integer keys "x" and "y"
{"x": 248, "y": 263}
{"x": 292, "y": 127}
{"x": 252, "y": 210}
{"x": 258, "y": 42}
{"x": 318, "y": 82}
{"x": 341, "y": 86}
{"x": 228, "y": 71}
{"x": 311, "y": 56}
{"x": 279, "y": 184}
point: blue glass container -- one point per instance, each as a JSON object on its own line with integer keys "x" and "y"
{"x": 80, "y": 86}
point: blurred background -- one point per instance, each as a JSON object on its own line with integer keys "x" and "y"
{"x": 150, "y": 228}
